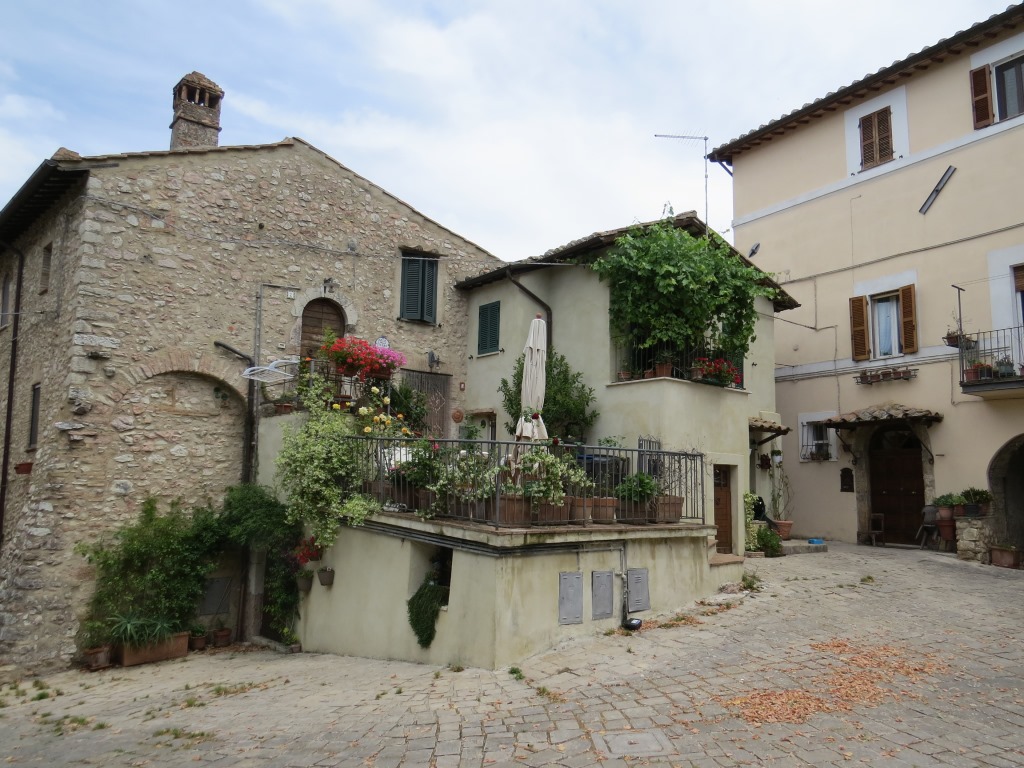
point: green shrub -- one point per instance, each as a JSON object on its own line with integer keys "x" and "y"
{"x": 424, "y": 608}
{"x": 153, "y": 571}
{"x": 769, "y": 542}
{"x": 637, "y": 487}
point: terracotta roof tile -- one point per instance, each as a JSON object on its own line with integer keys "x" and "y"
{"x": 874, "y": 414}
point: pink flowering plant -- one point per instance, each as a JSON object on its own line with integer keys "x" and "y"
{"x": 357, "y": 357}
{"x": 717, "y": 369}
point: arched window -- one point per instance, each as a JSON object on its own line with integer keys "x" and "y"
{"x": 320, "y": 316}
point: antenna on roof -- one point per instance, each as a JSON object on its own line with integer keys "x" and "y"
{"x": 707, "y": 234}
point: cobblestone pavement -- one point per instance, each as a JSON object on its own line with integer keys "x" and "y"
{"x": 875, "y": 656}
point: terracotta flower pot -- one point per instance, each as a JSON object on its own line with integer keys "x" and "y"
{"x": 513, "y": 510}
{"x": 326, "y": 578}
{"x": 947, "y": 528}
{"x": 1004, "y": 557}
{"x": 602, "y": 509}
{"x": 304, "y": 581}
{"x": 221, "y": 637}
{"x": 197, "y": 642}
{"x": 97, "y": 658}
{"x": 785, "y": 526}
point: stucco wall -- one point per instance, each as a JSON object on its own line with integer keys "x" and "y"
{"x": 501, "y": 608}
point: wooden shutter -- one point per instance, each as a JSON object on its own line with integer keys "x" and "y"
{"x": 860, "y": 341}
{"x": 981, "y": 96}
{"x": 487, "y": 334}
{"x": 429, "y": 290}
{"x": 876, "y": 138}
{"x": 412, "y": 289}
{"x": 1018, "y": 278}
{"x": 868, "y": 158}
{"x": 883, "y": 129}
{"x": 908, "y": 319}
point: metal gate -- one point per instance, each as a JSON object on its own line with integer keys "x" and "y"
{"x": 435, "y": 386}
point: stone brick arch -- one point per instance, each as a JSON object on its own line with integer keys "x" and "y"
{"x": 1006, "y": 482}
{"x": 341, "y": 301}
{"x": 212, "y": 365}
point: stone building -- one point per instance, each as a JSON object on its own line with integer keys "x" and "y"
{"x": 135, "y": 289}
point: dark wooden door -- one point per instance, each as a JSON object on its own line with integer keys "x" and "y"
{"x": 318, "y": 317}
{"x": 723, "y": 508}
{"x": 897, "y": 485}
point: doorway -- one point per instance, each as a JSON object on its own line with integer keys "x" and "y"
{"x": 897, "y": 484}
{"x": 723, "y": 507}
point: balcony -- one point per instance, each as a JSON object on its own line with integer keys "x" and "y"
{"x": 493, "y": 484}
{"x": 992, "y": 363}
{"x": 704, "y": 366}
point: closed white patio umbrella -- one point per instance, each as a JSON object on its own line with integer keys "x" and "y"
{"x": 534, "y": 383}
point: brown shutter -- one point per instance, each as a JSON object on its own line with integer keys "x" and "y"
{"x": 868, "y": 158}
{"x": 883, "y": 129}
{"x": 981, "y": 96}
{"x": 859, "y": 339}
{"x": 1018, "y": 278}
{"x": 908, "y": 319}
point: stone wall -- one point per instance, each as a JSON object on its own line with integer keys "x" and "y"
{"x": 974, "y": 535}
{"x": 154, "y": 260}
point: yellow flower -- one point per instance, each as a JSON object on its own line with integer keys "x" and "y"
{"x": 405, "y": 431}
{"x": 363, "y": 411}
{"x": 375, "y": 390}
{"x": 387, "y": 401}
{"x": 336, "y": 407}
{"x": 400, "y": 417}
{"x": 376, "y": 419}
{"x": 367, "y": 430}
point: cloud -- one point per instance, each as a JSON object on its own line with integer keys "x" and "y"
{"x": 16, "y": 107}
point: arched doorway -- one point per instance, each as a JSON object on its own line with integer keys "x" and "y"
{"x": 1006, "y": 481}
{"x": 318, "y": 317}
{"x": 897, "y": 483}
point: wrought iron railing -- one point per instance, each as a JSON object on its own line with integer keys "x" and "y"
{"x": 708, "y": 366}
{"x": 991, "y": 356}
{"x": 502, "y": 484}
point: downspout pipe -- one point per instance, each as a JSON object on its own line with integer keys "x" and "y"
{"x": 12, "y": 370}
{"x": 536, "y": 298}
{"x": 250, "y": 417}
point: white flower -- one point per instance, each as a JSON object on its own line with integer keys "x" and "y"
{"x": 375, "y": 390}
{"x": 387, "y": 401}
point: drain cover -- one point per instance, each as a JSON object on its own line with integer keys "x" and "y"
{"x": 633, "y": 743}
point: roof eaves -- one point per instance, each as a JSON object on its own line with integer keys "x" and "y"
{"x": 883, "y": 78}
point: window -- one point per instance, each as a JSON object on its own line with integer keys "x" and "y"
{"x": 33, "y": 425}
{"x": 44, "y": 269}
{"x": 1004, "y": 82}
{"x": 5, "y": 302}
{"x": 885, "y": 323}
{"x": 1018, "y": 286}
{"x": 817, "y": 442}
{"x": 490, "y": 322}
{"x": 876, "y": 138}
{"x": 419, "y": 288}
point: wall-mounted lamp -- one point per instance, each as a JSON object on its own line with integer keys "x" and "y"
{"x": 433, "y": 360}
{"x": 753, "y": 251}
{"x": 329, "y": 285}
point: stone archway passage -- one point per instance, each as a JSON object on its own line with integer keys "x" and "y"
{"x": 897, "y": 483}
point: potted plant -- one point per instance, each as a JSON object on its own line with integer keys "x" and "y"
{"x": 717, "y": 371}
{"x": 664, "y": 362}
{"x": 304, "y": 580}
{"x": 958, "y": 505}
{"x": 94, "y": 640}
{"x": 142, "y": 640}
{"x": 197, "y": 637}
{"x": 635, "y": 494}
{"x": 976, "y": 501}
{"x": 325, "y": 574}
{"x": 780, "y": 498}
{"x": 1004, "y": 366}
{"x": 221, "y": 634}
{"x": 573, "y": 482}
{"x": 944, "y": 504}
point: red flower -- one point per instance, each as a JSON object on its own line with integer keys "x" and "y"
{"x": 536, "y": 416}
{"x": 554, "y": 441}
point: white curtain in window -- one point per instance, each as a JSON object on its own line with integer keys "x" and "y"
{"x": 885, "y": 323}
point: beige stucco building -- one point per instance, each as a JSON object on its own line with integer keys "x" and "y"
{"x": 891, "y": 210}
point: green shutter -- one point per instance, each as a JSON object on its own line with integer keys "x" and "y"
{"x": 412, "y": 289}
{"x": 429, "y": 269}
{"x": 488, "y": 332}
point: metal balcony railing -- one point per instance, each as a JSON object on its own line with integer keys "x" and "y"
{"x": 708, "y": 366}
{"x": 497, "y": 483}
{"x": 992, "y": 356}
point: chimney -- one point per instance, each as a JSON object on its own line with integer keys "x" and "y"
{"x": 196, "y": 120}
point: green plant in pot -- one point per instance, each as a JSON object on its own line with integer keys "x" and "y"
{"x": 635, "y": 493}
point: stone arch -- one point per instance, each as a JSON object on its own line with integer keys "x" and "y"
{"x": 1006, "y": 482}
{"x": 178, "y": 359}
{"x": 330, "y": 293}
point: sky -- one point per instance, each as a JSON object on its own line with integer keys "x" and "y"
{"x": 521, "y": 126}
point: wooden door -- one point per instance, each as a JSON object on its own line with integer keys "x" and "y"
{"x": 723, "y": 507}
{"x": 897, "y": 484}
{"x": 318, "y": 317}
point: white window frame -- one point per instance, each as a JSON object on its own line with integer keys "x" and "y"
{"x": 811, "y": 439}
{"x": 896, "y": 101}
{"x": 995, "y": 56}
{"x": 876, "y": 302}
